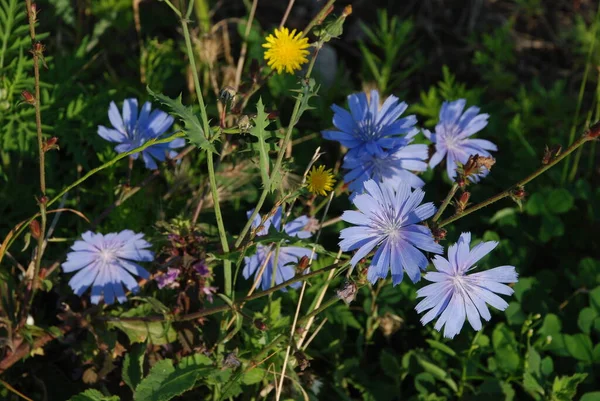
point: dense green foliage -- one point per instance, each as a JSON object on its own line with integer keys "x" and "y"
{"x": 529, "y": 64}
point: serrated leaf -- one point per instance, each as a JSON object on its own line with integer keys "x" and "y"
{"x": 157, "y": 333}
{"x": 261, "y": 121}
{"x": 166, "y": 381}
{"x": 192, "y": 126}
{"x": 565, "y": 387}
{"x": 133, "y": 365}
{"x": 307, "y": 91}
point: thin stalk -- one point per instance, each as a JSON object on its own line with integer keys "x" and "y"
{"x": 210, "y": 161}
{"x": 36, "y": 51}
{"x": 319, "y": 17}
{"x": 90, "y": 173}
{"x": 506, "y": 193}
{"x": 235, "y": 304}
{"x": 588, "y": 65}
{"x": 277, "y": 166}
{"x": 446, "y": 202}
{"x": 575, "y": 167}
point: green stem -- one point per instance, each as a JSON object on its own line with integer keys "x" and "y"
{"x": 223, "y": 308}
{"x": 446, "y": 202}
{"x": 41, "y": 152}
{"x": 277, "y": 166}
{"x": 588, "y": 65}
{"x": 584, "y": 138}
{"x": 320, "y": 309}
{"x": 211, "y": 168}
{"x": 318, "y": 17}
{"x": 90, "y": 173}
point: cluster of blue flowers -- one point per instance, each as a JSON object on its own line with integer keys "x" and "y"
{"x": 381, "y": 163}
{"x": 381, "y": 160}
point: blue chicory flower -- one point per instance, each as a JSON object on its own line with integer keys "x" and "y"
{"x": 131, "y": 130}
{"x": 452, "y": 136}
{"x": 370, "y": 128}
{"x": 455, "y": 296}
{"x": 388, "y": 216}
{"x": 288, "y": 257}
{"x": 106, "y": 261}
{"x": 391, "y": 165}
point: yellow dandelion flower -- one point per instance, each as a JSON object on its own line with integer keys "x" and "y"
{"x": 286, "y": 50}
{"x": 320, "y": 181}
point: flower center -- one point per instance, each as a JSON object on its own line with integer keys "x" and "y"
{"x": 107, "y": 256}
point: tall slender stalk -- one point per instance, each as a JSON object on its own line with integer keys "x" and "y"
{"x": 277, "y": 166}
{"x": 36, "y": 51}
{"x": 210, "y": 159}
{"x": 446, "y": 202}
{"x": 506, "y": 193}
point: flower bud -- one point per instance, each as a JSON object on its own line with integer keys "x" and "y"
{"x": 50, "y": 144}
{"x": 259, "y": 324}
{"x": 462, "y": 202}
{"x": 35, "y": 229}
{"x": 438, "y": 233}
{"x": 231, "y": 361}
{"x": 347, "y": 11}
{"x": 302, "y": 360}
{"x": 302, "y": 264}
{"x": 348, "y": 292}
{"x": 227, "y": 94}
{"x": 28, "y": 97}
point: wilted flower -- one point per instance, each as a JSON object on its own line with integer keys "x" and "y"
{"x": 370, "y": 128}
{"x": 286, "y": 50}
{"x": 387, "y": 217}
{"x": 131, "y": 130}
{"x": 455, "y": 296}
{"x": 168, "y": 279}
{"x": 106, "y": 261}
{"x": 452, "y": 134}
{"x": 390, "y": 165}
{"x": 320, "y": 181}
{"x": 288, "y": 256}
{"x": 348, "y": 292}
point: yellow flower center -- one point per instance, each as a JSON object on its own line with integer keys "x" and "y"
{"x": 286, "y": 50}
{"x": 320, "y": 181}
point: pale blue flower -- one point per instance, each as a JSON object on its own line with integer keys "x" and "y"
{"x": 452, "y": 136}
{"x": 395, "y": 164}
{"x": 387, "y": 217}
{"x": 131, "y": 130}
{"x": 106, "y": 261}
{"x": 288, "y": 257}
{"x": 168, "y": 278}
{"x": 369, "y": 127}
{"x": 455, "y": 296}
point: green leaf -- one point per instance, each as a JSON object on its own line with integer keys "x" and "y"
{"x": 586, "y": 319}
{"x": 253, "y": 376}
{"x": 193, "y": 129}
{"x": 506, "y": 348}
{"x": 579, "y": 347}
{"x": 547, "y": 366}
{"x": 551, "y": 325}
{"x": 514, "y": 314}
{"x": 559, "y": 201}
{"x": 93, "y": 395}
{"x": 133, "y": 365}
{"x": 157, "y": 333}
{"x": 531, "y": 385}
{"x": 390, "y": 365}
{"x": 595, "y": 299}
{"x": 261, "y": 121}
{"x": 565, "y": 387}
{"x": 442, "y": 347}
{"x": 533, "y": 362}
{"x": 593, "y": 396}
{"x": 308, "y": 90}
{"x": 166, "y": 381}
{"x": 535, "y": 204}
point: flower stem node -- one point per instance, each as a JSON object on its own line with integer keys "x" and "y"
{"x": 259, "y": 324}
{"x": 462, "y": 202}
{"x": 551, "y": 153}
{"x": 517, "y": 195}
{"x": 594, "y": 131}
{"x": 302, "y": 360}
{"x": 334, "y": 28}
